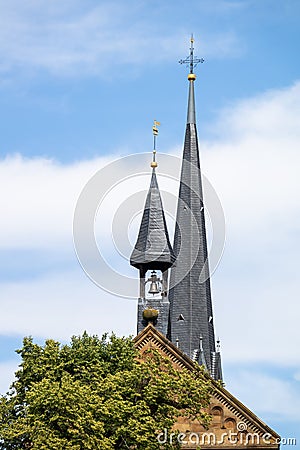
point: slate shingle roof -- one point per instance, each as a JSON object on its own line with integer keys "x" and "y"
{"x": 188, "y": 296}
{"x": 153, "y": 249}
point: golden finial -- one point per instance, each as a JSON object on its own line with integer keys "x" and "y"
{"x": 191, "y": 77}
{"x": 155, "y": 133}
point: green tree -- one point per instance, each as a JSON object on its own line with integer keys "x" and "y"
{"x": 97, "y": 394}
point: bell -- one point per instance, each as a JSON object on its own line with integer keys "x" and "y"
{"x": 154, "y": 284}
{"x": 153, "y": 288}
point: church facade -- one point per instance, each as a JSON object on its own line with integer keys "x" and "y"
{"x": 175, "y": 316}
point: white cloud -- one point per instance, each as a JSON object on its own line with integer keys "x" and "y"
{"x": 256, "y": 152}
{"x": 72, "y": 38}
{"x": 60, "y": 305}
{"x": 37, "y": 200}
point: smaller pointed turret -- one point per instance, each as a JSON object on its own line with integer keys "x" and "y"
{"x": 153, "y": 252}
{"x": 153, "y": 247}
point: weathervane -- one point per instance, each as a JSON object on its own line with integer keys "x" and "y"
{"x": 155, "y": 133}
{"x": 191, "y": 61}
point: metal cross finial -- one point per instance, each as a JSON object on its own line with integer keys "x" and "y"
{"x": 191, "y": 61}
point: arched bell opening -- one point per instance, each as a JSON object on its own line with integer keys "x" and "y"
{"x": 153, "y": 283}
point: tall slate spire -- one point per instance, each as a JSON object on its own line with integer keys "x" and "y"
{"x": 191, "y": 314}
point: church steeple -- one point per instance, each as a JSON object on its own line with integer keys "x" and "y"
{"x": 153, "y": 252}
{"x": 191, "y": 315}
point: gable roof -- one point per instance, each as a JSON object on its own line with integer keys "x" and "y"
{"x": 150, "y": 337}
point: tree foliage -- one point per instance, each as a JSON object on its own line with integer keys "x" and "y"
{"x": 96, "y": 394}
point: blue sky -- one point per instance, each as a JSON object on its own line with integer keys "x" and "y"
{"x": 80, "y": 84}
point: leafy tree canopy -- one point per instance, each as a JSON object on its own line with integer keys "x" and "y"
{"x": 96, "y": 394}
